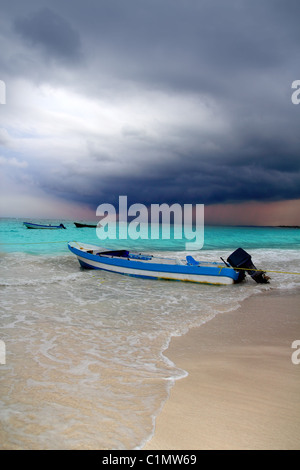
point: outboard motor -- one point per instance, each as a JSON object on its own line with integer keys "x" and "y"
{"x": 241, "y": 259}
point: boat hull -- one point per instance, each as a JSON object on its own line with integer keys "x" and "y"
{"x": 79, "y": 225}
{"x": 38, "y": 226}
{"x": 215, "y": 274}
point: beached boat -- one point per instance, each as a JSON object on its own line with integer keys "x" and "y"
{"x": 79, "y": 225}
{"x": 43, "y": 226}
{"x": 149, "y": 266}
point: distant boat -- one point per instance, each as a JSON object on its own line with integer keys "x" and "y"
{"x": 154, "y": 267}
{"x": 43, "y": 226}
{"x": 79, "y": 225}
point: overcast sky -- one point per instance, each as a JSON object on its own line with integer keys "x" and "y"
{"x": 160, "y": 100}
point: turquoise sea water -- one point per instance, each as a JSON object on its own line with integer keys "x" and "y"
{"x": 86, "y": 366}
{"x": 14, "y": 236}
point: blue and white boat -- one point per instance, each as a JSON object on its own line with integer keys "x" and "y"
{"x": 155, "y": 267}
{"x": 45, "y": 226}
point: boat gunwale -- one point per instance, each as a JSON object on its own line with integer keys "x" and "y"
{"x": 141, "y": 265}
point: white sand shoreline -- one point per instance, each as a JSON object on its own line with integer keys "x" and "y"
{"x": 242, "y": 389}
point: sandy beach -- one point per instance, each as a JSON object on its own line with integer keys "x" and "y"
{"x": 242, "y": 391}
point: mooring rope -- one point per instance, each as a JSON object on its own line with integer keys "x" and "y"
{"x": 263, "y": 270}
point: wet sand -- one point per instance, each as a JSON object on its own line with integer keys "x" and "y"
{"x": 243, "y": 390}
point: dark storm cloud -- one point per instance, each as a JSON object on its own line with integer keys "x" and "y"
{"x": 233, "y": 62}
{"x": 212, "y": 47}
{"x": 213, "y": 184}
{"x": 51, "y": 32}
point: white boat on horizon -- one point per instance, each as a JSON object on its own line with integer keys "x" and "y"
{"x": 43, "y": 226}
